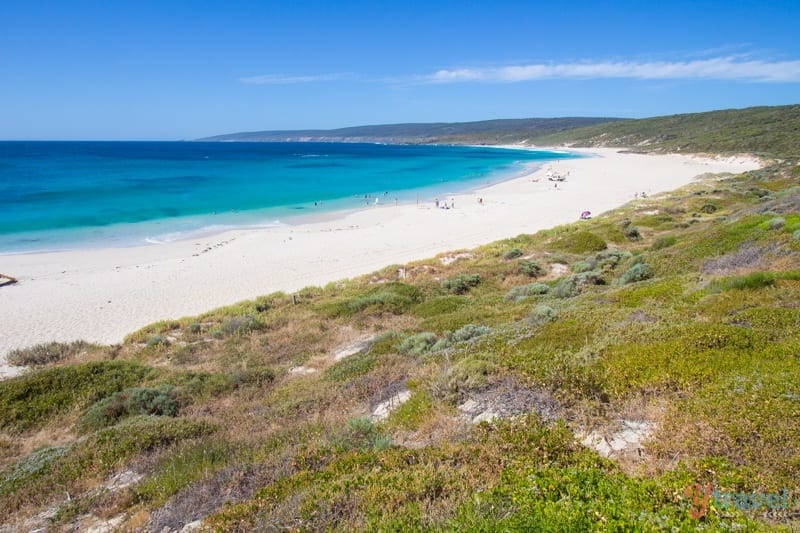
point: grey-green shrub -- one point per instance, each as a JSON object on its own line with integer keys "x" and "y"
{"x": 156, "y": 340}
{"x": 130, "y": 402}
{"x": 513, "y": 254}
{"x": 46, "y": 353}
{"x": 530, "y": 268}
{"x": 776, "y": 223}
{"x": 664, "y": 242}
{"x": 470, "y": 331}
{"x": 461, "y": 283}
{"x": 418, "y": 344}
{"x": 542, "y": 314}
{"x": 796, "y": 235}
{"x": 638, "y": 272}
{"x": 517, "y": 294}
{"x": 572, "y": 285}
{"x": 584, "y": 266}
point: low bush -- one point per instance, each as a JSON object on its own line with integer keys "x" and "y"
{"x": 708, "y": 209}
{"x": 776, "y": 223}
{"x": 46, "y": 353}
{"x": 156, "y": 340}
{"x": 638, "y": 272}
{"x": 470, "y": 331}
{"x": 754, "y": 280}
{"x": 630, "y": 232}
{"x": 33, "y": 399}
{"x": 466, "y": 375}
{"x": 238, "y": 325}
{"x": 418, "y": 344}
{"x": 513, "y": 254}
{"x": 461, "y": 283}
{"x": 360, "y": 434}
{"x": 393, "y": 297}
{"x": 664, "y": 242}
{"x": 529, "y": 268}
{"x": 130, "y": 402}
{"x": 573, "y": 285}
{"x": 440, "y": 305}
{"x": 517, "y": 294}
{"x": 584, "y": 266}
{"x": 580, "y": 242}
{"x": 542, "y": 314}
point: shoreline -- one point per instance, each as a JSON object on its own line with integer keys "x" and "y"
{"x": 101, "y": 295}
{"x": 209, "y": 224}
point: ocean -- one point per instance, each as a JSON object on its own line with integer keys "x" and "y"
{"x": 76, "y": 195}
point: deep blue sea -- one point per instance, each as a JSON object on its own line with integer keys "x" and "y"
{"x": 68, "y": 195}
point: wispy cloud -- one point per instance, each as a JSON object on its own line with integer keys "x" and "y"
{"x": 720, "y": 68}
{"x": 286, "y": 79}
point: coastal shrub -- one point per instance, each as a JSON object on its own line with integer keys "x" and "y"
{"x": 754, "y": 280}
{"x": 237, "y": 325}
{"x": 350, "y": 367}
{"x": 542, "y": 314}
{"x": 413, "y": 412}
{"x": 517, "y": 294}
{"x": 776, "y": 223}
{"x": 572, "y": 285}
{"x": 461, "y": 283}
{"x": 393, "y": 297}
{"x": 439, "y": 305}
{"x": 470, "y": 331}
{"x": 638, "y": 272}
{"x": 360, "y": 434}
{"x": 796, "y": 235}
{"x": 630, "y": 231}
{"x": 584, "y": 266}
{"x": 664, "y": 242}
{"x": 609, "y": 259}
{"x": 156, "y": 340}
{"x": 708, "y": 209}
{"x": 580, "y": 242}
{"x": 418, "y": 344}
{"x": 530, "y": 268}
{"x": 46, "y": 353}
{"x": 513, "y": 254}
{"x": 33, "y": 399}
{"x": 194, "y": 327}
{"x": 58, "y": 469}
{"x": 466, "y": 375}
{"x": 130, "y": 402}
{"x": 253, "y": 376}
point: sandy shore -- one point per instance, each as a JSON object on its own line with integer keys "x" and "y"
{"x": 101, "y": 295}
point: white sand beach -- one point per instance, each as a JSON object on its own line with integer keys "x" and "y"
{"x": 102, "y": 295}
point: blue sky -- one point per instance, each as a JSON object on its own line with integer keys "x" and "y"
{"x": 168, "y": 70}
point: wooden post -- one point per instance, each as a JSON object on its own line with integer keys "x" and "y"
{"x": 294, "y": 299}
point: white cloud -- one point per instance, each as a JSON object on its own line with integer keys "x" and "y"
{"x": 284, "y": 79}
{"x": 721, "y": 68}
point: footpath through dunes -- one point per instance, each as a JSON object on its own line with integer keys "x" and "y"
{"x": 611, "y": 373}
{"x": 102, "y": 295}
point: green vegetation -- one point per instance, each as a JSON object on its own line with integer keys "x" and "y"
{"x": 760, "y": 130}
{"x": 47, "y": 353}
{"x": 457, "y": 399}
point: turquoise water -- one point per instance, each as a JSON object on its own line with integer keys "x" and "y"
{"x": 67, "y": 195}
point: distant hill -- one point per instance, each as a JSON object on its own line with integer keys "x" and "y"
{"x": 484, "y": 132}
{"x": 761, "y": 130}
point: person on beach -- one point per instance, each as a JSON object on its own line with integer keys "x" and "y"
{"x": 437, "y": 203}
